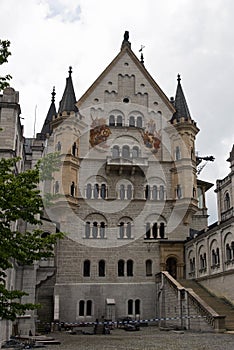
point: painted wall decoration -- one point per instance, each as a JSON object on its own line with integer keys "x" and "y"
{"x": 99, "y": 132}
{"x": 151, "y": 138}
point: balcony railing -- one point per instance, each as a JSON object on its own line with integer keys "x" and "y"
{"x": 121, "y": 161}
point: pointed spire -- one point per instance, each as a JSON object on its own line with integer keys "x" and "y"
{"x": 53, "y": 93}
{"x": 51, "y": 112}
{"x": 125, "y": 41}
{"x": 231, "y": 156}
{"x": 180, "y": 103}
{"x": 67, "y": 104}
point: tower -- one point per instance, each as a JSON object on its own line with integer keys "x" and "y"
{"x": 225, "y": 192}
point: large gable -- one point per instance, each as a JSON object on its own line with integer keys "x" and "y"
{"x": 126, "y": 81}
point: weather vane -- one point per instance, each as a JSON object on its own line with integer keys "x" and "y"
{"x": 141, "y": 51}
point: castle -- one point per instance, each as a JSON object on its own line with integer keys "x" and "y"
{"x": 128, "y": 198}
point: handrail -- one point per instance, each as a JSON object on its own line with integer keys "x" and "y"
{"x": 212, "y": 317}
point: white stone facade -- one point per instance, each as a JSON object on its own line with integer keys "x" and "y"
{"x": 127, "y": 185}
{"x": 128, "y": 199}
{"x": 210, "y": 255}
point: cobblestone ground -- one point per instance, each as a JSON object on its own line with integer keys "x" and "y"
{"x": 149, "y": 338}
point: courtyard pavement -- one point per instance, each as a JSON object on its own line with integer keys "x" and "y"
{"x": 147, "y": 338}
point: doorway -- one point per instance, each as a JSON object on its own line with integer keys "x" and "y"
{"x": 171, "y": 267}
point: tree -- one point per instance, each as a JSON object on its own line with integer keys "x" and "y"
{"x": 20, "y": 201}
{"x": 4, "y": 53}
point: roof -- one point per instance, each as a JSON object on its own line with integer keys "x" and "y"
{"x": 231, "y": 157}
{"x": 180, "y": 103}
{"x": 51, "y": 112}
{"x": 206, "y": 185}
{"x": 126, "y": 48}
{"x": 68, "y": 102}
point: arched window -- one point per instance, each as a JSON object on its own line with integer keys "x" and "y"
{"x": 88, "y": 191}
{"x": 56, "y": 187}
{"x": 162, "y": 230}
{"x": 122, "y": 192}
{"x": 121, "y": 268}
{"x": 192, "y": 265}
{"x": 72, "y": 190}
{"x": 95, "y": 229}
{"x": 111, "y": 120}
{"x": 81, "y": 307}
{"x": 178, "y": 192}
{"x": 126, "y": 152}
{"x": 103, "y": 191}
{"x": 177, "y": 153}
{"x": 201, "y": 261}
{"x": 130, "y": 307}
{"x": 115, "y": 152}
{"x": 119, "y": 120}
{"x": 192, "y": 153}
{"x": 227, "y": 203}
{"x": 101, "y": 268}
{"x": 228, "y": 252}
{"x": 155, "y": 193}
{"x": 137, "y": 306}
{"x": 155, "y": 230}
{"x": 129, "y": 268}
{"x": 74, "y": 149}
{"x": 135, "y": 152}
{"x": 204, "y": 260}
{"x": 148, "y": 267}
{"x": 147, "y": 230}
{"x": 232, "y": 246}
{"x": 129, "y": 192}
{"x": 147, "y": 192}
{"x": 121, "y": 230}
{"x": 86, "y": 268}
{"x": 217, "y": 256}
{"x": 129, "y": 228}
{"x": 194, "y": 192}
{"x": 87, "y": 229}
{"x": 96, "y": 191}
{"x": 139, "y": 122}
{"x": 161, "y": 192}
{"x": 89, "y": 308}
{"x": 102, "y": 229}
{"x": 213, "y": 257}
{"x": 132, "y": 121}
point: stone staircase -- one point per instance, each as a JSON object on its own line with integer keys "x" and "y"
{"x": 217, "y": 304}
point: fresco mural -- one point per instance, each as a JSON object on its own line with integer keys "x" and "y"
{"x": 99, "y": 132}
{"x": 151, "y": 138}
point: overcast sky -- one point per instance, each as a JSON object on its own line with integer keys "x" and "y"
{"x": 192, "y": 37}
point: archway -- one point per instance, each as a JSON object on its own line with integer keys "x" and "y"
{"x": 171, "y": 267}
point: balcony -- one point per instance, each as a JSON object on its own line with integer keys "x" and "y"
{"x": 122, "y": 163}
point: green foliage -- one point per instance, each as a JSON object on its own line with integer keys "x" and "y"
{"x": 48, "y": 165}
{"x": 21, "y": 203}
{"x": 9, "y": 305}
{"x": 4, "y": 54}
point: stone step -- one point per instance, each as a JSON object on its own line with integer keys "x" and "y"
{"x": 217, "y": 304}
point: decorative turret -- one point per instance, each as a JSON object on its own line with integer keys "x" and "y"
{"x": 68, "y": 102}
{"x": 180, "y": 104}
{"x": 46, "y": 129}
